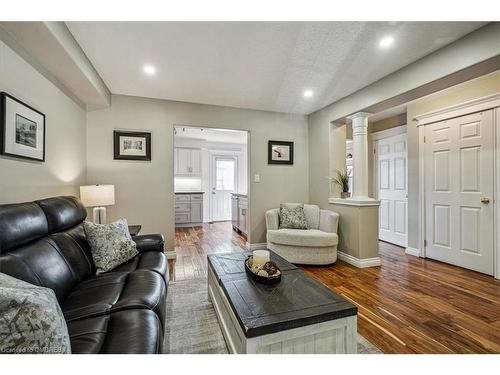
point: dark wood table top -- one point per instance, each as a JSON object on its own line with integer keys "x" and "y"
{"x": 297, "y": 301}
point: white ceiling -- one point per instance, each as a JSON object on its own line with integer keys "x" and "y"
{"x": 257, "y": 65}
{"x": 211, "y": 135}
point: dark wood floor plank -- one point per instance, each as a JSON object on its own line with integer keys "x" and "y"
{"x": 407, "y": 305}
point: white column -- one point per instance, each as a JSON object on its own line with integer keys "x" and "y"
{"x": 360, "y": 155}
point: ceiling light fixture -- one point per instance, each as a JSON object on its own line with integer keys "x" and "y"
{"x": 308, "y": 94}
{"x": 386, "y": 42}
{"x": 149, "y": 70}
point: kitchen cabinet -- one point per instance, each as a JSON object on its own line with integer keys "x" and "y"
{"x": 188, "y": 209}
{"x": 242, "y": 214}
{"x": 187, "y": 161}
{"x": 239, "y": 213}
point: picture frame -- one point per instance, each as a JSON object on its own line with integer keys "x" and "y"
{"x": 131, "y": 145}
{"x": 280, "y": 152}
{"x": 22, "y": 129}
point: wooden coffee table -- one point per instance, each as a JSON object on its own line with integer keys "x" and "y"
{"x": 298, "y": 315}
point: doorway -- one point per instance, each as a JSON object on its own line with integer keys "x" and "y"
{"x": 210, "y": 166}
{"x": 390, "y": 184}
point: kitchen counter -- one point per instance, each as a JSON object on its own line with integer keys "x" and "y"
{"x": 189, "y": 192}
{"x": 240, "y": 195}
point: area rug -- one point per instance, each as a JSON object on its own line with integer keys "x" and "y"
{"x": 192, "y": 326}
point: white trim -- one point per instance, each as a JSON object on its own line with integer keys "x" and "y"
{"x": 458, "y": 110}
{"x": 401, "y": 129}
{"x": 471, "y": 106}
{"x": 171, "y": 254}
{"x": 256, "y": 246}
{"x": 358, "y": 262}
{"x": 354, "y": 202}
{"x": 421, "y": 189}
{"x": 412, "y": 251}
{"x": 496, "y": 211}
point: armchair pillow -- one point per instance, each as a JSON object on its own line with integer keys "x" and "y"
{"x": 110, "y": 244}
{"x": 292, "y": 216}
{"x": 31, "y": 320}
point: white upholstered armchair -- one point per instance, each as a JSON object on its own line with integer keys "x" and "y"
{"x": 316, "y": 245}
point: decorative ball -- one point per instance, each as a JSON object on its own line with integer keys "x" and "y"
{"x": 263, "y": 273}
{"x": 271, "y": 268}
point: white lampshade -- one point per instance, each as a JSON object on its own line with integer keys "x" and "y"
{"x": 97, "y": 195}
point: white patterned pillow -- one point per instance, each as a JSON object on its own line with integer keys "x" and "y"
{"x": 110, "y": 244}
{"x": 31, "y": 320}
{"x": 292, "y": 216}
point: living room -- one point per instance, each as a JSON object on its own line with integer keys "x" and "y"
{"x": 249, "y": 187}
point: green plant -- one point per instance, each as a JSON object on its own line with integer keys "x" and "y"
{"x": 342, "y": 180}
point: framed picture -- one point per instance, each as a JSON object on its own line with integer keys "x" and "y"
{"x": 279, "y": 152}
{"x": 132, "y": 145}
{"x": 22, "y": 129}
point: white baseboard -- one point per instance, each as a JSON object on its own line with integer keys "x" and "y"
{"x": 171, "y": 254}
{"x": 412, "y": 251}
{"x": 357, "y": 262}
{"x": 256, "y": 246}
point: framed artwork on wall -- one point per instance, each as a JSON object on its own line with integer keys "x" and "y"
{"x": 22, "y": 129}
{"x": 132, "y": 145}
{"x": 280, "y": 152}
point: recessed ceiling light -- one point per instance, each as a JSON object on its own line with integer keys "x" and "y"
{"x": 150, "y": 70}
{"x": 308, "y": 94}
{"x": 386, "y": 42}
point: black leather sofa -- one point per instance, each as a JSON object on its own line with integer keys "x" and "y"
{"x": 121, "y": 311}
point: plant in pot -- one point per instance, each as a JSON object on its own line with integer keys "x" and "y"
{"x": 342, "y": 181}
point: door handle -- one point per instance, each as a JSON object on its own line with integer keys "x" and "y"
{"x": 485, "y": 200}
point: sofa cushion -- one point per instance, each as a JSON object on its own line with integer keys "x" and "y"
{"x": 292, "y": 216}
{"x": 135, "y": 331}
{"x": 40, "y": 263}
{"x": 306, "y": 238}
{"x": 312, "y": 215}
{"x": 151, "y": 260}
{"x": 31, "y": 320}
{"x": 76, "y": 254}
{"x": 109, "y": 292}
{"x": 21, "y": 224}
{"x": 149, "y": 242}
{"x": 110, "y": 244}
{"x": 62, "y": 212}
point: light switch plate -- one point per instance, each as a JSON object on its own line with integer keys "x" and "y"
{"x": 256, "y": 178}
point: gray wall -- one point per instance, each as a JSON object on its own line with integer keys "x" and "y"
{"x": 64, "y": 169}
{"x": 145, "y": 190}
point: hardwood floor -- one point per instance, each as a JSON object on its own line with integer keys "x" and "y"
{"x": 407, "y": 305}
{"x": 192, "y": 244}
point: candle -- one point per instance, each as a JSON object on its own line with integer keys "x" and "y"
{"x": 260, "y": 257}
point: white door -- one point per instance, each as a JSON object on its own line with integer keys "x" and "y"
{"x": 391, "y": 187}
{"x": 459, "y": 191}
{"x": 224, "y": 179}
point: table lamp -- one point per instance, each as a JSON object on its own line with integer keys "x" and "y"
{"x": 98, "y": 196}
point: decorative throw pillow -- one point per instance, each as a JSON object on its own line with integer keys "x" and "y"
{"x": 31, "y": 320}
{"x": 292, "y": 216}
{"x": 110, "y": 244}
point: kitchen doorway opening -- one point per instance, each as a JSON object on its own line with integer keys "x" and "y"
{"x": 211, "y": 184}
